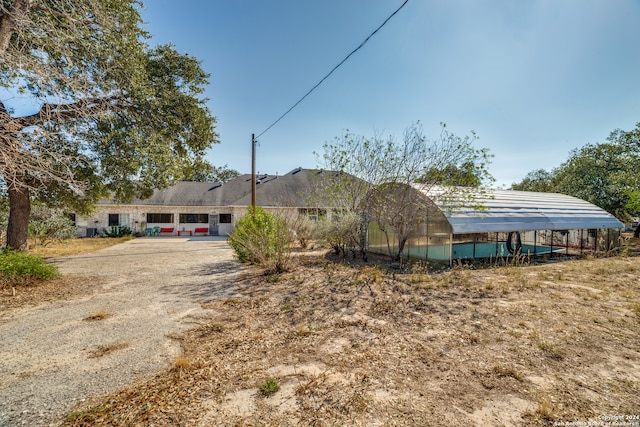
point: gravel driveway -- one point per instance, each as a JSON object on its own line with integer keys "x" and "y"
{"x": 52, "y": 357}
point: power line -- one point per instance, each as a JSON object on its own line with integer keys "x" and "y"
{"x": 334, "y": 69}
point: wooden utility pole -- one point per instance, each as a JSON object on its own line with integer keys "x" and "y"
{"x": 253, "y": 170}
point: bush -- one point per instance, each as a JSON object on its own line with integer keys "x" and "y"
{"x": 262, "y": 238}
{"x": 344, "y": 233}
{"x": 19, "y": 267}
{"x": 118, "y": 231}
{"x": 47, "y": 225}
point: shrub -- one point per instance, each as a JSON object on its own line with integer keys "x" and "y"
{"x": 19, "y": 267}
{"x": 117, "y": 231}
{"x": 302, "y": 228}
{"x": 47, "y": 225}
{"x": 344, "y": 233}
{"x": 262, "y": 238}
{"x": 269, "y": 387}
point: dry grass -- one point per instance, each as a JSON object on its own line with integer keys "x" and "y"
{"x": 103, "y": 350}
{"x": 75, "y": 246}
{"x": 61, "y": 288}
{"x": 98, "y": 315}
{"x": 355, "y": 344}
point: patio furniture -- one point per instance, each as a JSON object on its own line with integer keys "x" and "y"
{"x": 204, "y": 230}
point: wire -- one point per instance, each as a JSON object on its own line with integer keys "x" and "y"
{"x": 334, "y": 69}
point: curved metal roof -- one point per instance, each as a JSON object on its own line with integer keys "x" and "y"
{"x": 510, "y": 210}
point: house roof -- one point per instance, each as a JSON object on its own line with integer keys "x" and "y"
{"x": 509, "y": 210}
{"x": 289, "y": 190}
{"x": 293, "y": 189}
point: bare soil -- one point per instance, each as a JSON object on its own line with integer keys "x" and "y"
{"x": 110, "y": 320}
{"x": 360, "y": 344}
{"x": 351, "y": 343}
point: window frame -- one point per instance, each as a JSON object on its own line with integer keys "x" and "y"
{"x": 194, "y": 218}
{"x": 159, "y": 216}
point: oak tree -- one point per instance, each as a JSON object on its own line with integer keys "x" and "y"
{"x": 605, "y": 174}
{"x": 109, "y": 115}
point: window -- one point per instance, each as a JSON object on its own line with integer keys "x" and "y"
{"x": 166, "y": 218}
{"x": 118, "y": 220}
{"x": 72, "y": 218}
{"x": 114, "y": 219}
{"x": 225, "y": 218}
{"x": 194, "y": 218}
{"x": 313, "y": 214}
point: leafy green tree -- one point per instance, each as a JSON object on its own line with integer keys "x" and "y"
{"x": 202, "y": 171}
{"x": 378, "y": 175}
{"x": 605, "y": 174}
{"x": 538, "y": 180}
{"x": 113, "y": 117}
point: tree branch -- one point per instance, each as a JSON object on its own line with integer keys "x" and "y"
{"x": 91, "y": 107}
{"x": 17, "y": 11}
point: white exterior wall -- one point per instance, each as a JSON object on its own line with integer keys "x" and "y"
{"x": 138, "y": 217}
{"x": 137, "y": 220}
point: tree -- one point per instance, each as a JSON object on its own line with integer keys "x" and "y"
{"x": 605, "y": 174}
{"x": 202, "y": 171}
{"x": 383, "y": 172}
{"x": 538, "y": 180}
{"x": 112, "y": 116}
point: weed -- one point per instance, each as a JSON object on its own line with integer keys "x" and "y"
{"x": 103, "y": 350}
{"x": 359, "y": 402}
{"x": 274, "y": 278}
{"x": 553, "y": 349}
{"x": 98, "y": 315}
{"x": 508, "y": 372}
{"x": 304, "y": 331}
{"x": 182, "y": 364}
{"x": 371, "y": 274}
{"x": 269, "y": 387}
{"x": 286, "y": 307}
{"x": 545, "y": 408}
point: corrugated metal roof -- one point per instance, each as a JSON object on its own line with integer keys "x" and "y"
{"x": 509, "y": 210}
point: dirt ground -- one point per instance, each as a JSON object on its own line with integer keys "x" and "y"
{"x": 339, "y": 342}
{"x": 110, "y": 320}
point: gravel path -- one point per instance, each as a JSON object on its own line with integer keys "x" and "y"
{"x": 52, "y": 357}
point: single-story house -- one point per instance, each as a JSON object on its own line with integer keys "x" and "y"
{"x": 499, "y": 223}
{"x": 205, "y": 208}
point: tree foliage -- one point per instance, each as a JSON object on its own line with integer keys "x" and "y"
{"x": 378, "y": 174}
{"x": 202, "y": 171}
{"x": 605, "y": 174}
{"x": 112, "y": 116}
{"x": 538, "y": 180}
{"x": 48, "y": 225}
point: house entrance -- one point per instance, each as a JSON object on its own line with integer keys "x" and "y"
{"x": 214, "y": 220}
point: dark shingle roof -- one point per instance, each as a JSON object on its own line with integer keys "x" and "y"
{"x": 290, "y": 190}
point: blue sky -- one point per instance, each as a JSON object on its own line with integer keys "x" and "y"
{"x": 533, "y": 78}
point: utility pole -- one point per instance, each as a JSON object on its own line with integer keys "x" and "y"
{"x": 253, "y": 171}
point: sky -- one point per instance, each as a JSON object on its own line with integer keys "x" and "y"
{"x": 533, "y": 78}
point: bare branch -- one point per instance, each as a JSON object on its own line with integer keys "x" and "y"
{"x": 10, "y": 20}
